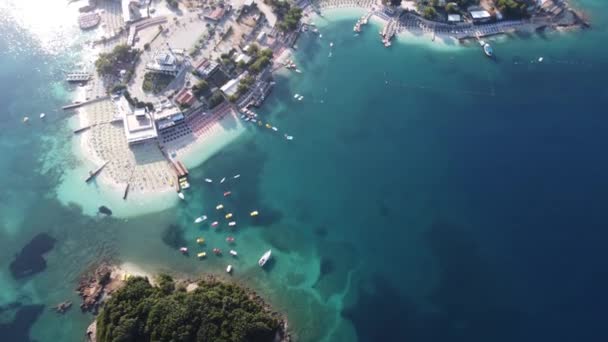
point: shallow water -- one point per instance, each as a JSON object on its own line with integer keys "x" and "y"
{"x": 429, "y": 194}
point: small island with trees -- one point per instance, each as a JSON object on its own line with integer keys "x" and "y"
{"x": 208, "y": 310}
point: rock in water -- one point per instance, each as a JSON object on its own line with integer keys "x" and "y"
{"x": 30, "y": 260}
{"x": 105, "y": 210}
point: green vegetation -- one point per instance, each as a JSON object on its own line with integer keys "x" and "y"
{"x": 289, "y": 17}
{"x": 200, "y": 88}
{"x": 213, "y": 312}
{"x": 216, "y": 99}
{"x": 451, "y": 8}
{"x": 155, "y": 82}
{"x": 429, "y": 13}
{"x": 121, "y": 57}
{"x": 262, "y": 59}
{"x": 512, "y": 8}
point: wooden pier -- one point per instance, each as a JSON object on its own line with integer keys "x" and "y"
{"x": 93, "y": 174}
{"x": 82, "y": 129}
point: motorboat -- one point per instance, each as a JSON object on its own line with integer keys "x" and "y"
{"x": 214, "y": 224}
{"x": 300, "y": 98}
{"x": 331, "y": 44}
{"x": 184, "y": 250}
{"x": 229, "y": 215}
{"x": 219, "y": 207}
{"x": 25, "y": 119}
{"x": 254, "y": 213}
{"x": 223, "y": 180}
{"x": 181, "y": 195}
{"x": 200, "y": 240}
{"x": 42, "y": 115}
{"x": 227, "y": 193}
{"x": 288, "y": 137}
{"x": 232, "y": 223}
{"x": 208, "y": 180}
{"x": 540, "y": 59}
{"x": 487, "y": 49}
{"x": 268, "y": 125}
{"x": 229, "y": 269}
{"x": 274, "y": 128}
{"x": 200, "y": 219}
{"x": 236, "y": 176}
{"x": 230, "y": 239}
{"x": 264, "y": 259}
{"x": 201, "y": 255}
{"x": 217, "y": 251}
{"x": 233, "y": 252}
{"x": 296, "y": 96}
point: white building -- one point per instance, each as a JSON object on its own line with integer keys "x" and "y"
{"x": 242, "y": 57}
{"x": 232, "y": 86}
{"x": 164, "y": 62}
{"x": 480, "y": 16}
{"x": 138, "y": 123}
{"x": 454, "y": 18}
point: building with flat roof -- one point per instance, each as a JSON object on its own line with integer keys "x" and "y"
{"x": 242, "y": 57}
{"x": 133, "y": 10}
{"x": 454, "y": 18}
{"x": 164, "y": 62}
{"x": 232, "y": 86}
{"x": 216, "y": 15}
{"x": 137, "y": 123}
{"x": 480, "y": 15}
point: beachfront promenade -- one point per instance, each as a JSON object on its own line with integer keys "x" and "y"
{"x": 409, "y": 22}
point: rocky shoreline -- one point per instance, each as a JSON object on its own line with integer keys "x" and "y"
{"x": 103, "y": 279}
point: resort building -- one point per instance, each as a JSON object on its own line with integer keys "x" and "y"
{"x": 206, "y": 67}
{"x": 133, "y": 10}
{"x": 185, "y": 98}
{"x": 217, "y": 14}
{"x": 137, "y": 123}
{"x": 454, "y": 18}
{"x": 170, "y": 122}
{"x": 242, "y": 57}
{"x": 480, "y": 16}
{"x": 164, "y": 62}
{"x": 231, "y": 87}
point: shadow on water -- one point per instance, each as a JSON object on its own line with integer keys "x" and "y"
{"x": 24, "y": 316}
{"x": 468, "y": 304}
{"x": 31, "y": 258}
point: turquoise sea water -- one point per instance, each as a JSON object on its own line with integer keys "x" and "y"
{"x": 430, "y": 194}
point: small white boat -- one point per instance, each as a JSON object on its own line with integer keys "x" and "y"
{"x": 540, "y": 59}
{"x": 184, "y": 250}
{"x": 223, "y": 180}
{"x": 236, "y": 176}
{"x": 296, "y": 96}
{"x": 298, "y": 71}
{"x": 232, "y": 223}
{"x": 288, "y": 137}
{"x": 300, "y": 98}
{"x": 274, "y": 128}
{"x": 181, "y": 195}
{"x": 264, "y": 259}
{"x": 233, "y": 252}
{"x": 330, "y": 54}
{"x": 219, "y": 207}
{"x": 254, "y": 213}
{"x": 320, "y": 35}
{"x": 331, "y": 44}
{"x": 229, "y": 269}
{"x": 42, "y": 115}
{"x": 208, "y": 180}
{"x": 25, "y": 119}
{"x": 200, "y": 219}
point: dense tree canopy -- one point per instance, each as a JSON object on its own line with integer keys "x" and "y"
{"x": 213, "y": 312}
{"x": 121, "y": 57}
{"x": 512, "y": 8}
{"x": 289, "y": 16}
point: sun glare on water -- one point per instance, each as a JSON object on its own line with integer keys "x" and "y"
{"x": 50, "y": 22}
